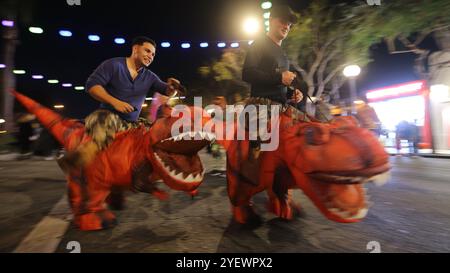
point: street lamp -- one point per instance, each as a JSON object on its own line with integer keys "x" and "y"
{"x": 351, "y": 72}
{"x": 251, "y": 26}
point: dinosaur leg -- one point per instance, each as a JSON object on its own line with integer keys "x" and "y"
{"x": 280, "y": 196}
{"x": 116, "y": 198}
{"x": 88, "y": 204}
{"x": 240, "y": 194}
{"x": 97, "y": 206}
{"x": 77, "y": 197}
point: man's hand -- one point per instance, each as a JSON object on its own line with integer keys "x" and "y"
{"x": 163, "y": 99}
{"x": 173, "y": 85}
{"x": 220, "y": 101}
{"x": 287, "y": 77}
{"x": 123, "y": 107}
{"x": 297, "y": 96}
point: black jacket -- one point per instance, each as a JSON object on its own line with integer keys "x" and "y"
{"x": 264, "y": 63}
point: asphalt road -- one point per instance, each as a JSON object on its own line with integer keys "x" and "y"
{"x": 411, "y": 213}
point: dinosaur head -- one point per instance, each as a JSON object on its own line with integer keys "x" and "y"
{"x": 331, "y": 162}
{"x": 175, "y": 154}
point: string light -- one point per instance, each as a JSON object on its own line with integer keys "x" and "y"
{"x": 119, "y": 41}
{"x": 165, "y": 44}
{"x": 36, "y": 30}
{"x": 65, "y": 33}
{"x": 7, "y": 23}
{"x": 94, "y": 38}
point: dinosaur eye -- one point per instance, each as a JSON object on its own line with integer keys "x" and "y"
{"x": 309, "y": 135}
{"x": 317, "y": 134}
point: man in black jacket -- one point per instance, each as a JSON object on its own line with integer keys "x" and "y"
{"x": 266, "y": 66}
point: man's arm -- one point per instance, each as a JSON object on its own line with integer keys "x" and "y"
{"x": 166, "y": 88}
{"x": 101, "y": 76}
{"x": 99, "y": 93}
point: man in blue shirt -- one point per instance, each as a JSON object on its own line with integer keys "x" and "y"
{"x": 121, "y": 85}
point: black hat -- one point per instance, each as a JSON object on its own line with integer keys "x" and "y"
{"x": 283, "y": 12}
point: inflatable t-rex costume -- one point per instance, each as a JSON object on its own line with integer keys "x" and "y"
{"x": 135, "y": 160}
{"x": 329, "y": 162}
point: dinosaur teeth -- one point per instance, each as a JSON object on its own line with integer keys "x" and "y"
{"x": 347, "y": 215}
{"x": 381, "y": 179}
{"x": 210, "y": 136}
{"x": 178, "y": 137}
{"x": 198, "y": 136}
{"x": 179, "y": 176}
{"x": 360, "y": 214}
{"x": 190, "y": 178}
{"x": 340, "y": 213}
{"x": 334, "y": 210}
{"x": 357, "y": 179}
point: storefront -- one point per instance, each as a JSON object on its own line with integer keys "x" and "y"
{"x": 439, "y": 63}
{"x": 404, "y": 113}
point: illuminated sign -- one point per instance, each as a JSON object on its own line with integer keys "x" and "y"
{"x": 411, "y": 88}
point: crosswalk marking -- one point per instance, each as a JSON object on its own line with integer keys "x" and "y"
{"x": 47, "y": 234}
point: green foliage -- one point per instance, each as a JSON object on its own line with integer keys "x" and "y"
{"x": 410, "y": 16}
{"x": 226, "y": 74}
{"x": 328, "y": 37}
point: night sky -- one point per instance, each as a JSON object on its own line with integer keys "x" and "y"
{"x": 72, "y": 59}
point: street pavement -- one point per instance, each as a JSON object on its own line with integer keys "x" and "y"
{"x": 411, "y": 213}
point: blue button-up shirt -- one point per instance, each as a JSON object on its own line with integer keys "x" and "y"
{"x": 114, "y": 76}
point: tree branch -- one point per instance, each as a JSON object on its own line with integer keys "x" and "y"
{"x": 333, "y": 73}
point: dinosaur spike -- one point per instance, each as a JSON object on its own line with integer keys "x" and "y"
{"x": 61, "y": 128}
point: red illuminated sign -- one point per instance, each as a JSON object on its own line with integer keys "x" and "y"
{"x": 406, "y": 89}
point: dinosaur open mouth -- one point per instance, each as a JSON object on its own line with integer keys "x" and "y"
{"x": 183, "y": 168}
{"x": 178, "y": 156}
{"x": 345, "y": 197}
{"x": 186, "y": 143}
{"x": 379, "y": 179}
{"x": 199, "y": 135}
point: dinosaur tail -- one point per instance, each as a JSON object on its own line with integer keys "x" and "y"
{"x": 68, "y": 132}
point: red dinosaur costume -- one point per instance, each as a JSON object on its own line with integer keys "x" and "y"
{"x": 329, "y": 162}
{"x": 135, "y": 160}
